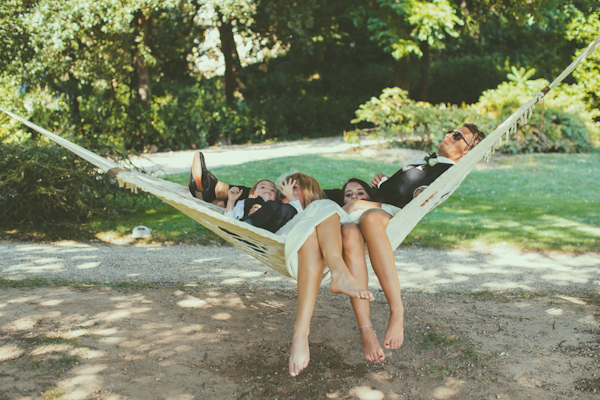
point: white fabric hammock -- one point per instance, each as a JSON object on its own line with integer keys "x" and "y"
{"x": 270, "y": 248}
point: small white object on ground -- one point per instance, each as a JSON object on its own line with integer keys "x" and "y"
{"x": 141, "y": 231}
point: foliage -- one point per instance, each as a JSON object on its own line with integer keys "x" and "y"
{"x": 93, "y": 65}
{"x": 313, "y": 90}
{"x": 415, "y": 124}
{"x": 561, "y": 124}
{"x": 400, "y": 26}
{"x": 128, "y": 74}
{"x": 585, "y": 29}
{"x": 498, "y": 34}
{"x": 42, "y": 183}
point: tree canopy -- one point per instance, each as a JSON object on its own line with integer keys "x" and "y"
{"x": 176, "y": 74}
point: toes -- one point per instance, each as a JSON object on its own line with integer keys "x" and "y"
{"x": 365, "y": 296}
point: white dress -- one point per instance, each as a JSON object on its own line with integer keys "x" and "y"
{"x": 304, "y": 224}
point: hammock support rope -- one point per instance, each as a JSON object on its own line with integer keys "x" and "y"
{"x": 268, "y": 247}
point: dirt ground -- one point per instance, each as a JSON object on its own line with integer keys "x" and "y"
{"x": 209, "y": 342}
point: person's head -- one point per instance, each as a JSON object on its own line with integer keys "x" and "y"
{"x": 306, "y": 189}
{"x": 356, "y": 189}
{"x": 459, "y": 142}
{"x": 265, "y": 189}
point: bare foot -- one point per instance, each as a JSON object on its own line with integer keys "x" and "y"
{"x": 299, "y": 355}
{"x": 394, "y": 334}
{"x": 346, "y": 284}
{"x": 371, "y": 346}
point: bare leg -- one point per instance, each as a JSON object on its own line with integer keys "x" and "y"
{"x": 310, "y": 275}
{"x": 329, "y": 235}
{"x": 373, "y": 224}
{"x": 354, "y": 256}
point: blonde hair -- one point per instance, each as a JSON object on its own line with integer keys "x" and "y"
{"x": 310, "y": 188}
{"x": 278, "y": 195}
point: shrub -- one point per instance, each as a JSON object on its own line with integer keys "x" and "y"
{"x": 561, "y": 124}
{"x": 414, "y": 124}
{"x": 43, "y": 183}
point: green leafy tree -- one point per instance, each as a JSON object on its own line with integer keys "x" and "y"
{"x": 584, "y": 29}
{"x": 410, "y": 27}
{"x": 101, "y": 63}
{"x": 498, "y": 34}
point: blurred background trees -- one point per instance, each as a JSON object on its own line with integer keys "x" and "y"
{"x": 176, "y": 74}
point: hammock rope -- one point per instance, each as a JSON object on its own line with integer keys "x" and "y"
{"x": 268, "y": 247}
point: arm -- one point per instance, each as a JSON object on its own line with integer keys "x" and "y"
{"x": 356, "y": 205}
{"x": 233, "y": 194}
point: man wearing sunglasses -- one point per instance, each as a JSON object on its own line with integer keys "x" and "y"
{"x": 400, "y": 188}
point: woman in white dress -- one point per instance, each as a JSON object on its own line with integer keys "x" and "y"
{"x": 313, "y": 239}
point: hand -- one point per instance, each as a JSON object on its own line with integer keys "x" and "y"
{"x": 287, "y": 189}
{"x": 376, "y": 179}
{"x": 233, "y": 194}
{"x": 350, "y": 206}
{"x": 254, "y": 209}
{"x": 418, "y": 192}
{"x": 357, "y": 204}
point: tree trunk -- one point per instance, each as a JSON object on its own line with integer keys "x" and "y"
{"x": 234, "y": 80}
{"x": 425, "y": 66}
{"x": 402, "y": 73}
{"x": 73, "y": 94}
{"x": 140, "y": 81}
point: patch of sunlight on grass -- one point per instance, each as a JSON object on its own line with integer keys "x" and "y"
{"x": 565, "y": 223}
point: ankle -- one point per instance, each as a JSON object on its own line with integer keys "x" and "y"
{"x": 397, "y": 312}
{"x": 300, "y": 333}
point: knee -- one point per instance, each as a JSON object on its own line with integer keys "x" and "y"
{"x": 311, "y": 244}
{"x": 351, "y": 236}
{"x": 374, "y": 220}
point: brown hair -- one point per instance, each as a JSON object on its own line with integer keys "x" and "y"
{"x": 478, "y": 135}
{"x": 311, "y": 190}
{"x": 362, "y": 183}
{"x": 278, "y": 195}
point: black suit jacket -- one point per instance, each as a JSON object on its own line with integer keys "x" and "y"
{"x": 398, "y": 190}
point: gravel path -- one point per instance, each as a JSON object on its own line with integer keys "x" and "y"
{"x": 491, "y": 268}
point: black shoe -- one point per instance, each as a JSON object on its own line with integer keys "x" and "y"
{"x": 199, "y": 180}
{"x": 208, "y": 194}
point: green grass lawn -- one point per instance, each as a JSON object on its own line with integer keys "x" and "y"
{"x": 548, "y": 201}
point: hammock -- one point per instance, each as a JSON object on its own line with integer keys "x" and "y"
{"x": 269, "y": 247}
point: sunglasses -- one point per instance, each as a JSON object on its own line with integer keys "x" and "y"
{"x": 456, "y": 135}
